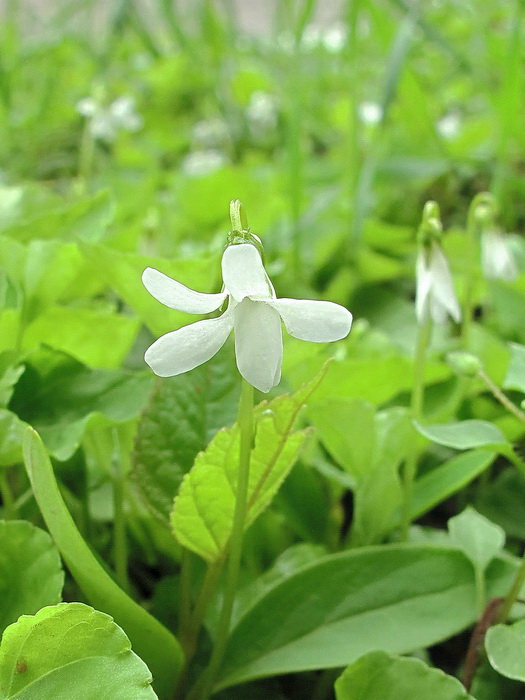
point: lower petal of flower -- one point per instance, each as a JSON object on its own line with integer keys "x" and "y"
{"x": 188, "y": 347}
{"x": 258, "y": 343}
{"x": 316, "y": 321}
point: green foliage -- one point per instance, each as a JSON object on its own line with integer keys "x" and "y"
{"x": 505, "y": 647}
{"x": 380, "y": 676}
{"x": 70, "y": 652}
{"x": 182, "y": 415}
{"x": 202, "y": 515}
{"x": 31, "y": 575}
{"x": 331, "y": 612}
{"x": 58, "y": 395}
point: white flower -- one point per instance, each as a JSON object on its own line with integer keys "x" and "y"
{"x": 253, "y": 312}
{"x": 497, "y": 260}
{"x": 370, "y": 112}
{"x": 105, "y": 122}
{"x": 435, "y": 296}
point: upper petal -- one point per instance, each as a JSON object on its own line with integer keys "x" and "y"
{"x": 244, "y": 274}
{"x": 177, "y": 296}
{"x": 258, "y": 343}
{"x": 188, "y": 347}
{"x": 317, "y": 321}
{"x": 423, "y": 287}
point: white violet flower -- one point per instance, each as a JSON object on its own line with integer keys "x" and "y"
{"x": 253, "y": 312}
{"x": 435, "y": 296}
{"x": 105, "y": 122}
{"x": 497, "y": 260}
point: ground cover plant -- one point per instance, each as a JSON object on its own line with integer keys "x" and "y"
{"x": 262, "y": 350}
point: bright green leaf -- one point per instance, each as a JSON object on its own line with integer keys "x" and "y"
{"x": 31, "y": 573}
{"x": 515, "y": 378}
{"x": 464, "y": 435}
{"x": 11, "y": 432}
{"x": 505, "y": 647}
{"x": 449, "y": 478}
{"x": 480, "y": 539}
{"x": 347, "y": 429}
{"x": 380, "y": 676}
{"x": 202, "y": 516}
{"x": 70, "y": 652}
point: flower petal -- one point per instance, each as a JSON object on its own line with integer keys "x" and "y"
{"x": 258, "y": 343}
{"x": 244, "y": 274}
{"x": 316, "y": 321}
{"x": 188, "y": 347}
{"x": 442, "y": 287}
{"x": 423, "y": 287}
{"x": 177, "y": 296}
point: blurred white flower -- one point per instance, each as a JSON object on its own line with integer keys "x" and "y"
{"x": 262, "y": 114}
{"x": 210, "y": 134}
{"x": 253, "y": 312}
{"x": 200, "y": 163}
{"x": 435, "y": 296}
{"x": 497, "y": 260}
{"x": 370, "y": 112}
{"x": 106, "y": 122}
{"x": 334, "y": 38}
{"x": 449, "y": 125}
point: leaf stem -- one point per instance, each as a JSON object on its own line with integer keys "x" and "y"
{"x": 423, "y": 338}
{"x": 245, "y": 421}
{"x": 500, "y": 396}
{"x": 120, "y": 543}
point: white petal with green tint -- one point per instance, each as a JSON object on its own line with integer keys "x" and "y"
{"x": 244, "y": 274}
{"x": 316, "y": 321}
{"x": 188, "y": 347}
{"x": 258, "y": 343}
{"x": 177, "y": 296}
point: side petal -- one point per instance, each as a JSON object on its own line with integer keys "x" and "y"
{"x": 188, "y": 347}
{"x": 177, "y": 296}
{"x": 316, "y": 321}
{"x": 244, "y": 274}
{"x": 258, "y": 343}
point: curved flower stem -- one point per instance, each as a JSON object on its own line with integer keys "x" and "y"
{"x": 245, "y": 421}
{"x": 500, "y": 396}
{"x": 423, "y": 338}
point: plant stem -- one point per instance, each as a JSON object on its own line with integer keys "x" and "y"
{"x": 423, "y": 337}
{"x": 120, "y": 544}
{"x": 8, "y": 501}
{"x": 500, "y": 396}
{"x": 245, "y": 421}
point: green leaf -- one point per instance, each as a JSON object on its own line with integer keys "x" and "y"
{"x": 152, "y": 641}
{"x": 123, "y": 272}
{"x": 515, "y": 378}
{"x": 96, "y": 337}
{"x": 505, "y": 647}
{"x": 58, "y": 395}
{"x": 464, "y": 435}
{"x": 31, "y": 573}
{"x": 380, "y": 676}
{"x": 503, "y": 502}
{"x": 11, "y": 432}
{"x": 182, "y": 415}
{"x": 447, "y": 479}
{"x": 480, "y": 539}
{"x": 395, "y": 597}
{"x": 347, "y": 429}
{"x": 70, "y": 652}
{"x": 202, "y": 516}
